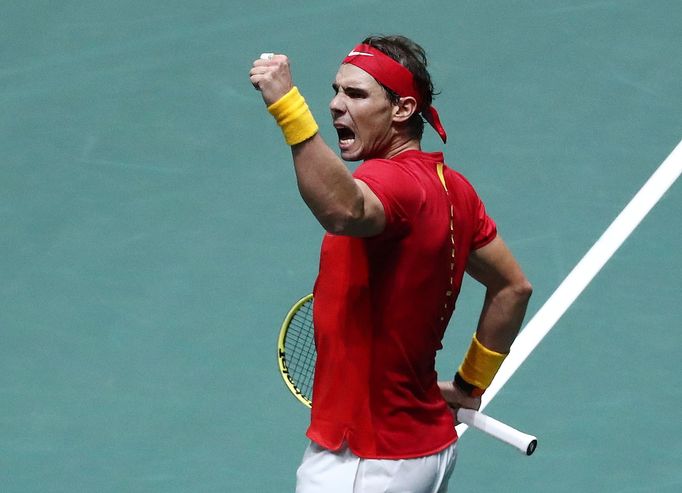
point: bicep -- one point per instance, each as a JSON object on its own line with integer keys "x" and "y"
{"x": 494, "y": 266}
{"x": 373, "y": 220}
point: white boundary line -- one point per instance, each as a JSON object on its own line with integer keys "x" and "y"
{"x": 583, "y": 273}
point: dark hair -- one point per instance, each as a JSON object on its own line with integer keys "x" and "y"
{"x": 413, "y": 57}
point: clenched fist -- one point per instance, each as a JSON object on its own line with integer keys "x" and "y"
{"x": 271, "y": 75}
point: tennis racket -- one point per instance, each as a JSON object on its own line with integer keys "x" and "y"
{"x": 296, "y": 356}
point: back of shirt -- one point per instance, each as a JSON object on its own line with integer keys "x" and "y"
{"x": 382, "y": 305}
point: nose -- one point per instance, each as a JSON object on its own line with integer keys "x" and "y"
{"x": 336, "y": 105}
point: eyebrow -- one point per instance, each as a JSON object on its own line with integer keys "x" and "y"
{"x": 351, "y": 90}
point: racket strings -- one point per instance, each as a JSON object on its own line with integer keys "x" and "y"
{"x": 300, "y": 349}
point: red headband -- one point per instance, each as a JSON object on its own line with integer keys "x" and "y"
{"x": 395, "y": 76}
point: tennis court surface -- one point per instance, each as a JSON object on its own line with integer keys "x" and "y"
{"x": 153, "y": 237}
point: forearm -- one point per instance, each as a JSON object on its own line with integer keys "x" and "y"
{"x": 501, "y": 316}
{"x": 507, "y": 294}
{"x": 326, "y": 185}
{"x": 500, "y": 320}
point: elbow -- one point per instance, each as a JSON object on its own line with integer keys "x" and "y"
{"x": 515, "y": 293}
{"x": 332, "y": 222}
{"x": 523, "y": 290}
{"x": 339, "y": 222}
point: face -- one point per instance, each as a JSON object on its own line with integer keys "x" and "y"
{"x": 362, "y": 115}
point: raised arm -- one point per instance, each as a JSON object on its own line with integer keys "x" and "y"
{"x": 340, "y": 203}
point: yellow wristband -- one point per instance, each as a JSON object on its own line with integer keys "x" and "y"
{"x": 294, "y": 117}
{"x": 480, "y": 364}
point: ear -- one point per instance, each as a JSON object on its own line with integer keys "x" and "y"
{"x": 404, "y": 109}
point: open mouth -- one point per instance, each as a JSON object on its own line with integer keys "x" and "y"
{"x": 346, "y": 136}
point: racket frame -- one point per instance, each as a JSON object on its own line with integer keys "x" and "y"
{"x": 282, "y": 355}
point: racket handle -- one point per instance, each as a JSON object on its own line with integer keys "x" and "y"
{"x": 522, "y": 441}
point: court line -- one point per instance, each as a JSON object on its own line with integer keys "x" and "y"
{"x": 585, "y": 270}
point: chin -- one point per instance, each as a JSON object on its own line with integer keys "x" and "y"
{"x": 351, "y": 157}
{"x": 348, "y": 155}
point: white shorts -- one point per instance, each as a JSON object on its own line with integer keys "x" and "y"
{"x": 324, "y": 471}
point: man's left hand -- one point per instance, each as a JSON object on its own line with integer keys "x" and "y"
{"x": 456, "y": 398}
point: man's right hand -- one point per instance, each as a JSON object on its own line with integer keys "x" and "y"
{"x": 272, "y": 77}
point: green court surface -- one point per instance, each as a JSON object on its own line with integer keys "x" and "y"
{"x": 153, "y": 237}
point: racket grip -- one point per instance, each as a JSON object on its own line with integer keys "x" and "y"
{"x": 505, "y": 433}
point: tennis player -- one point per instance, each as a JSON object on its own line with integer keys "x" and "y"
{"x": 400, "y": 233}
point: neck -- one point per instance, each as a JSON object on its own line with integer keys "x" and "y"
{"x": 399, "y": 146}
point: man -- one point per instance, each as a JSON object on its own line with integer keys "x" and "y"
{"x": 401, "y": 231}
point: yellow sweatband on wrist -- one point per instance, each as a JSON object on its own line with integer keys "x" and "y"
{"x": 294, "y": 117}
{"x": 480, "y": 364}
